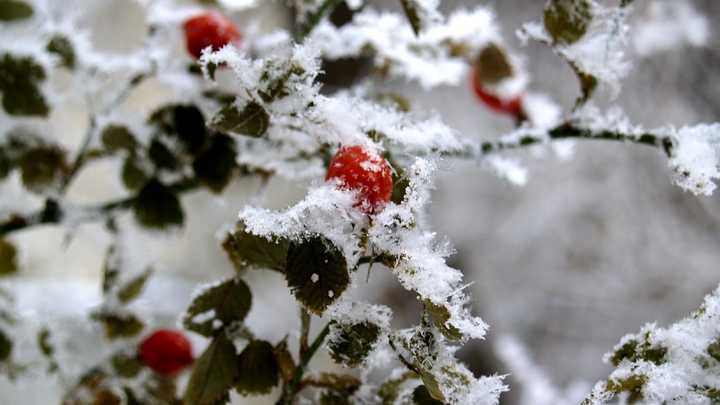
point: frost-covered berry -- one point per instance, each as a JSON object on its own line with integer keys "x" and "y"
{"x": 489, "y": 72}
{"x": 511, "y": 106}
{"x": 166, "y": 351}
{"x": 210, "y": 29}
{"x": 363, "y": 169}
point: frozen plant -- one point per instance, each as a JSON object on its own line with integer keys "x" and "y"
{"x": 251, "y": 106}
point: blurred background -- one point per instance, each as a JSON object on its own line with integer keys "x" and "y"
{"x": 593, "y": 247}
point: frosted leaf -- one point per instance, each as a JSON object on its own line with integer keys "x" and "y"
{"x": 667, "y": 25}
{"x": 695, "y": 158}
{"x": 440, "y": 371}
{"x": 599, "y": 53}
{"x": 674, "y": 365}
{"x": 419, "y": 261}
{"x": 507, "y": 169}
{"x": 326, "y": 211}
{"x": 427, "y": 58}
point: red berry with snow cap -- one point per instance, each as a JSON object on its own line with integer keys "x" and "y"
{"x": 166, "y": 351}
{"x": 510, "y": 106}
{"x": 210, "y": 29}
{"x": 361, "y": 168}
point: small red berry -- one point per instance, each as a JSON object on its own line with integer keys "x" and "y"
{"x": 166, "y": 351}
{"x": 512, "y": 106}
{"x": 210, "y": 29}
{"x": 363, "y": 169}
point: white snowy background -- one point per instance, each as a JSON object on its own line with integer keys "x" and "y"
{"x": 592, "y": 247}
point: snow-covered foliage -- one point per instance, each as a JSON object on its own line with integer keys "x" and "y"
{"x": 673, "y": 365}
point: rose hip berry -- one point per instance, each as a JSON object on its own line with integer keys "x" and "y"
{"x": 512, "y": 106}
{"x": 210, "y": 29}
{"x": 362, "y": 169}
{"x": 166, "y": 351}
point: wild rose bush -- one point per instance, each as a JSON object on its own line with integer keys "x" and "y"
{"x": 273, "y": 120}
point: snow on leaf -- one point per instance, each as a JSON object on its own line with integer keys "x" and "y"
{"x": 326, "y": 211}
{"x": 228, "y": 302}
{"x": 673, "y": 365}
{"x": 433, "y": 58}
{"x": 419, "y": 261}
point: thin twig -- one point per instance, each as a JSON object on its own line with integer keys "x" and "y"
{"x": 291, "y": 389}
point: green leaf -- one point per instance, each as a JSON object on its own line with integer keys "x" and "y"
{"x": 230, "y": 302}
{"x": 118, "y": 137}
{"x": 412, "y": 11}
{"x": 421, "y": 396}
{"x": 127, "y": 365}
{"x": 260, "y": 252}
{"x": 119, "y": 326}
{"x": 252, "y": 121}
{"x": 392, "y": 389}
{"x": 134, "y": 287}
{"x": 133, "y": 177}
{"x": 214, "y": 373}
{"x": 41, "y": 168}
{"x": 185, "y": 122}
{"x": 352, "y": 343}
{"x": 61, "y": 46}
{"x": 157, "y": 206}
{"x": 567, "y": 20}
{"x": 492, "y": 65}
{"x": 440, "y": 316}
{"x": 14, "y": 10}
{"x": 431, "y": 383}
{"x": 20, "y": 79}
{"x": 316, "y": 272}
{"x": 423, "y": 346}
{"x": 6, "y": 346}
{"x": 190, "y": 124}
{"x": 257, "y": 369}
{"x": 8, "y": 258}
{"x": 213, "y": 168}
{"x": 162, "y": 156}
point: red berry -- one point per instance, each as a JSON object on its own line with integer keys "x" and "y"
{"x": 512, "y": 106}
{"x": 363, "y": 169}
{"x": 210, "y": 29}
{"x": 166, "y": 351}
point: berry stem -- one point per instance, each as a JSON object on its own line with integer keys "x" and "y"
{"x": 291, "y": 389}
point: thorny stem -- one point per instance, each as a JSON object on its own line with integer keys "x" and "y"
{"x": 563, "y": 131}
{"x": 314, "y": 19}
{"x": 291, "y": 388}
